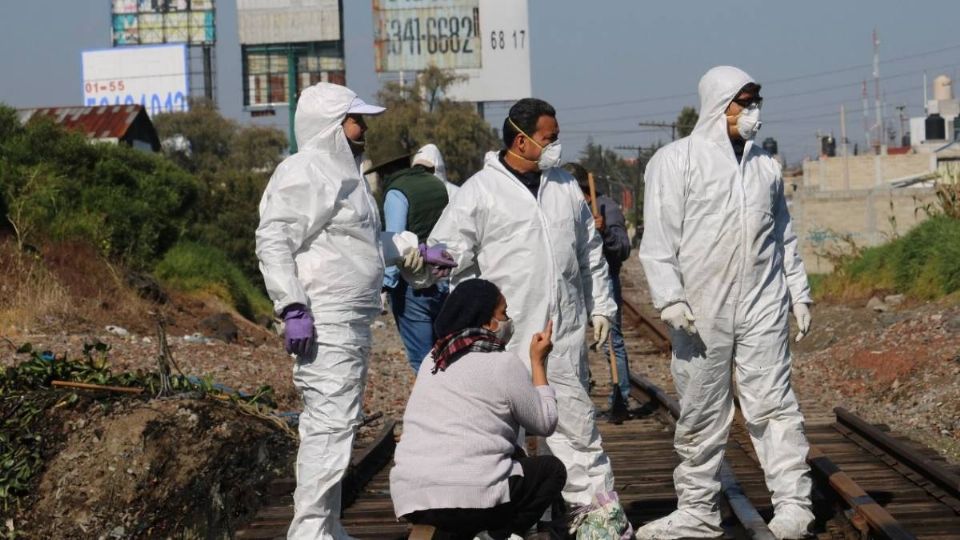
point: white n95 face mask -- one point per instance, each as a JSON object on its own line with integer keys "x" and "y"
{"x": 748, "y": 124}
{"x": 549, "y": 156}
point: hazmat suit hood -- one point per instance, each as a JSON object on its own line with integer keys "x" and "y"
{"x": 429, "y": 156}
{"x": 717, "y": 88}
{"x": 321, "y": 110}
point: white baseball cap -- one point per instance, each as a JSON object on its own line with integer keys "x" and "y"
{"x": 358, "y": 106}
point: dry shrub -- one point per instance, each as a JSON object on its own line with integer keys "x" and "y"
{"x": 29, "y": 293}
{"x": 67, "y": 287}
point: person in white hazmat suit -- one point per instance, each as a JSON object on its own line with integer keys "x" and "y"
{"x": 319, "y": 244}
{"x": 430, "y": 157}
{"x": 724, "y": 269}
{"x": 522, "y": 223}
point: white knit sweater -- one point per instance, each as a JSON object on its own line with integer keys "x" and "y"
{"x": 459, "y": 431}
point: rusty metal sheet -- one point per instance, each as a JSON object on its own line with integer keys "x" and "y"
{"x": 411, "y": 35}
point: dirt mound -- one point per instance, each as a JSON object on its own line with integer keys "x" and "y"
{"x": 134, "y": 468}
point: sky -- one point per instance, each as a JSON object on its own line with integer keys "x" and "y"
{"x": 604, "y": 64}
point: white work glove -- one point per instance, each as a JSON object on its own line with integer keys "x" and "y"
{"x": 802, "y": 313}
{"x": 679, "y": 317}
{"x": 412, "y": 261}
{"x": 419, "y": 279}
{"x": 601, "y": 329}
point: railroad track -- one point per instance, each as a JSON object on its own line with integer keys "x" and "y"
{"x": 868, "y": 483}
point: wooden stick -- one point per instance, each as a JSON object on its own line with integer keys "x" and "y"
{"x": 593, "y": 195}
{"x": 89, "y": 386}
{"x": 613, "y": 361}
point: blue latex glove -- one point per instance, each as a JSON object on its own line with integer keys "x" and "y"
{"x": 298, "y": 330}
{"x": 438, "y": 258}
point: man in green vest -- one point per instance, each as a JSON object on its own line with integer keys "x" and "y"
{"x": 413, "y": 200}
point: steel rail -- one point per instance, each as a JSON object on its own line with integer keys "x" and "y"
{"x": 931, "y": 470}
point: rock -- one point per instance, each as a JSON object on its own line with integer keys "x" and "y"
{"x": 222, "y": 327}
{"x": 893, "y": 299}
{"x": 953, "y": 324}
{"x": 147, "y": 287}
{"x": 117, "y": 330}
{"x": 877, "y": 305}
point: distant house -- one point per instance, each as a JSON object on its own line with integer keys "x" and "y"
{"x": 126, "y": 124}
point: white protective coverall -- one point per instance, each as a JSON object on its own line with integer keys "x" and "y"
{"x": 546, "y": 258}
{"x": 718, "y": 236}
{"x": 430, "y": 156}
{"x": 319, "y": 244}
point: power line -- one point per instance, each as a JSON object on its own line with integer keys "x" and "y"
{"x": 770, "y": 82}
{"x": 769, "y": 97}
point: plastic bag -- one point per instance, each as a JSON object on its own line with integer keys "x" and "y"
{"x": 602, "y": 519}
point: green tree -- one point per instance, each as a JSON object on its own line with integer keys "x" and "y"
{"x": 686, "y": 121}
{"x": 209, "y": 136}
{"x": 421, "y": 113}
{"x": 615, "y": 175}
{"x": 132, "y": 205}
{"x": 233, "y": 164}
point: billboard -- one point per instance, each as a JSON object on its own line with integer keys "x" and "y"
{"x": 410, "y": 35}
{"x": 505, "y": 48}
{"x": 485, "y": 41}
{"x": 288, "y": 21}
{"x": 143, "y": 22}
{"x": 155, "y": 77}
{"x": 266, "y": 70}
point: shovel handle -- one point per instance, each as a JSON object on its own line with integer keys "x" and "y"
{"x": 593, "y": 195}
{"x": 613, "y": 360}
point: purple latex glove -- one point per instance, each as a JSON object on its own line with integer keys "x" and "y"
{"x": 298, "y": 329}
{"x": 437, "y": 256}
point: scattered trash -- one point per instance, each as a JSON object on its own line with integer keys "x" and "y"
{"x": 379, "y": 324}
{"x": 196, "y": 338}
{"x": 291, "y": 418}
{"x": 117, "y": 330}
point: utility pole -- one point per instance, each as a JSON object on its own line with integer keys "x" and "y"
{"x": 843, "y": 147}
{"x": 876, "y": 89}
{"x": 900, "y": 109}
{"x": 866, "y": 114}
{"x": 671, "y": 125}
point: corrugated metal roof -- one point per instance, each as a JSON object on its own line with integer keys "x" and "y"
{"x": 98, "y": 122}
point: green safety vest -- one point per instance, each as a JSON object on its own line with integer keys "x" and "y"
{"x": 426, "y": 196}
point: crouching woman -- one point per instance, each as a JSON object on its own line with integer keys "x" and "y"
{"x": 457, "y": 464}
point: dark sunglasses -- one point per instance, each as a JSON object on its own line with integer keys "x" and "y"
{"x": 747, "y": 102}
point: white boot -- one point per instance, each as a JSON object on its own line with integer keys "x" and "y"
{"x": 680, "y": 524}
{"x": 791, "y": 521}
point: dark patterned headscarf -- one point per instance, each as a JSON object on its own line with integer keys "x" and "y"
{"x": 459, "y": 324}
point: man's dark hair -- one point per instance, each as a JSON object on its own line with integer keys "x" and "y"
{"x": 750, "y": 87}
{"x": 525, "y": 114}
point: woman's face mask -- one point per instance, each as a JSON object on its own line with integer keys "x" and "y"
{"x": 504, "y": 330}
